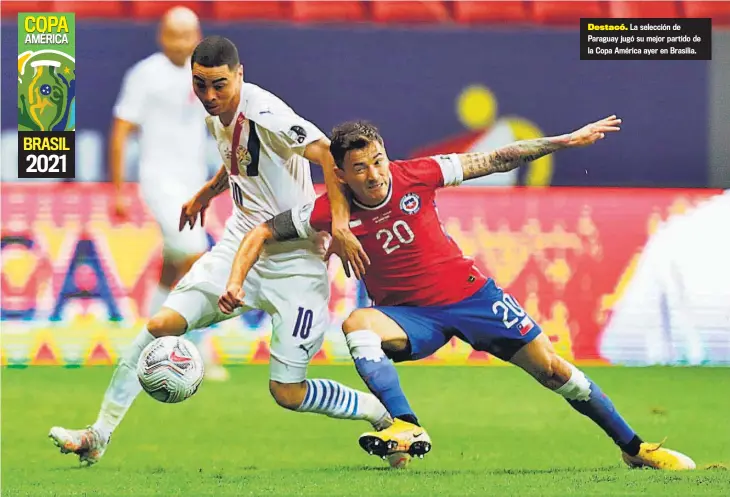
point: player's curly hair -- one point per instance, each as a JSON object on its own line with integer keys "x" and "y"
{"x": 352, "y": 135}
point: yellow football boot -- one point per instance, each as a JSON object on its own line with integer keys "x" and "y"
{"x": 401, "y": 436}
{"x": 652, "y": 455}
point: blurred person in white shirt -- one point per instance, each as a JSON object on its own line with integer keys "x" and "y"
{"x": 158, "y": 104}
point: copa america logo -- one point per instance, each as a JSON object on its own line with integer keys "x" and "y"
{"x": 46, "y": 91}
{"x": 410, "y": 203}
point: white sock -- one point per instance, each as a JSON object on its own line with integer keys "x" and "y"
{"x": 158, "y": 299}
{"x": 123, "y": 388}
{"x": 365, "y": 344}
{"x": 335, "y": 400}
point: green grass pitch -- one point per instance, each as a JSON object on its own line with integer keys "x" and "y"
{"x": 495, "y": 432}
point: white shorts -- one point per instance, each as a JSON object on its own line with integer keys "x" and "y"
{"x": 165, "y": 199}
{"x": 291, "y": 286}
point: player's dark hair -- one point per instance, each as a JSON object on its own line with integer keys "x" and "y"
{"x": 353, "y": 135}
{"x": 215, "y": 51}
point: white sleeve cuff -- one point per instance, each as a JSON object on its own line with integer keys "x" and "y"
{"x": 127, "y": 114}
{"x": 450, "y": 169}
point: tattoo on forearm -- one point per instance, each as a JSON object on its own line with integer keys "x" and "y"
{"x": 220, "y": 183}
{"x": 509, "y": 157}
{"x": 282, "y": 226}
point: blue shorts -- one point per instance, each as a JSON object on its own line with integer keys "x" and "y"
{"x": 490, "y": 321}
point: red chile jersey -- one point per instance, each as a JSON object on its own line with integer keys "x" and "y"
{"x": 413, "y": 261}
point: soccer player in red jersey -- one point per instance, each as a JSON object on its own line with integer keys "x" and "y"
{"x": 425, "y": 291}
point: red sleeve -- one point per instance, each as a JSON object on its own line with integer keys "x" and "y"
{"x": 433, "y": 172}
{"x": 321, "y": 217}
{"x": 422, "y": 171}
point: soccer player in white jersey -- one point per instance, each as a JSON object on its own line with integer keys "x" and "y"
{"x": 157, "y": 103}
{"x": 266, "y": 150}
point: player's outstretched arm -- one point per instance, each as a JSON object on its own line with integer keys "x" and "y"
{"x": 281, "y": 227}
{"x": 476, "y": 165}
{"x": 344, "y": 243}
{"x": 200, "y": 201}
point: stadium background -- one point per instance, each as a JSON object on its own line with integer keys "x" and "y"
{"x": 76, "y": 283}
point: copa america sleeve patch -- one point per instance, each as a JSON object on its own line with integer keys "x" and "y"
{"x": 450, "y": 169}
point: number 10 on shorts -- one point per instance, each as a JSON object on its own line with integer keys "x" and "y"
{"x": 46, "y": 154}
{"x": 305, "y": 318}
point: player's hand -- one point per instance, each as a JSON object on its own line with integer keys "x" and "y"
{"x": 190, "y": 211}
{"x": 231, "y": 299}
{"x": 350, "y": 251}
{"x": 322, "y": 242}
{"x": 590, "y": 134}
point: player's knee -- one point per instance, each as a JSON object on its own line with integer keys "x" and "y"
{"x": 367, "y": 319}
{"x": 166, "y": 322}
{"x": 548, "y": 370}
{"x": 541, "y": 361}
{"x": 359, "y": 319}
{"x": 288, "y": 395}
{"x": 374, "y": 329}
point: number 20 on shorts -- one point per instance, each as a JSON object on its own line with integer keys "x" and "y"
{"x": 504, "y": 307}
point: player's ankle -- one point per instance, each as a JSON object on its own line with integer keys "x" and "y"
{"x": 633, "y": 447}
{"x": 103, "y": 430}
{"x": 409, "y": 418}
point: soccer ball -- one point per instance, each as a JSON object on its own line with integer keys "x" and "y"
{"x": 170, "y": 369}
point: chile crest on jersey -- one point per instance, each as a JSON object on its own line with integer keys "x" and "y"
{"x": 410, "y": 203}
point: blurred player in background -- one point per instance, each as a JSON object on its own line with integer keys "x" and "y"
{"x": 679, "y": 296}
{"x": 158, "y": 104}
{"x": 266, "y": 150}
{"x": 426, "y": 292}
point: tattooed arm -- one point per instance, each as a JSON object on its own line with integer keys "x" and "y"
{"x": 503, "y": 159}
{"x": 217, "y": 185}
{"x": 197, "y": 205}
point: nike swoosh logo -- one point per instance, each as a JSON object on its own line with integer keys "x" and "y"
{"x": 418, "y": 435}
{"x": 265, "y": 112}
{"x": 177, "y": 358}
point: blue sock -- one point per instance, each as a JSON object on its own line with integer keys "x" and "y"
{"x": 588, "y": 399}
{"x": 379, "y": 373}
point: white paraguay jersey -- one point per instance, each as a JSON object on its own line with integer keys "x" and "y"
{"x": 158, "y": 97}
{"x": 268, "y": 174}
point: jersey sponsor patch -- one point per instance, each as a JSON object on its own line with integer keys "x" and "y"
{"x": 410, "y": 203}
{"x": 297, "y": 133}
